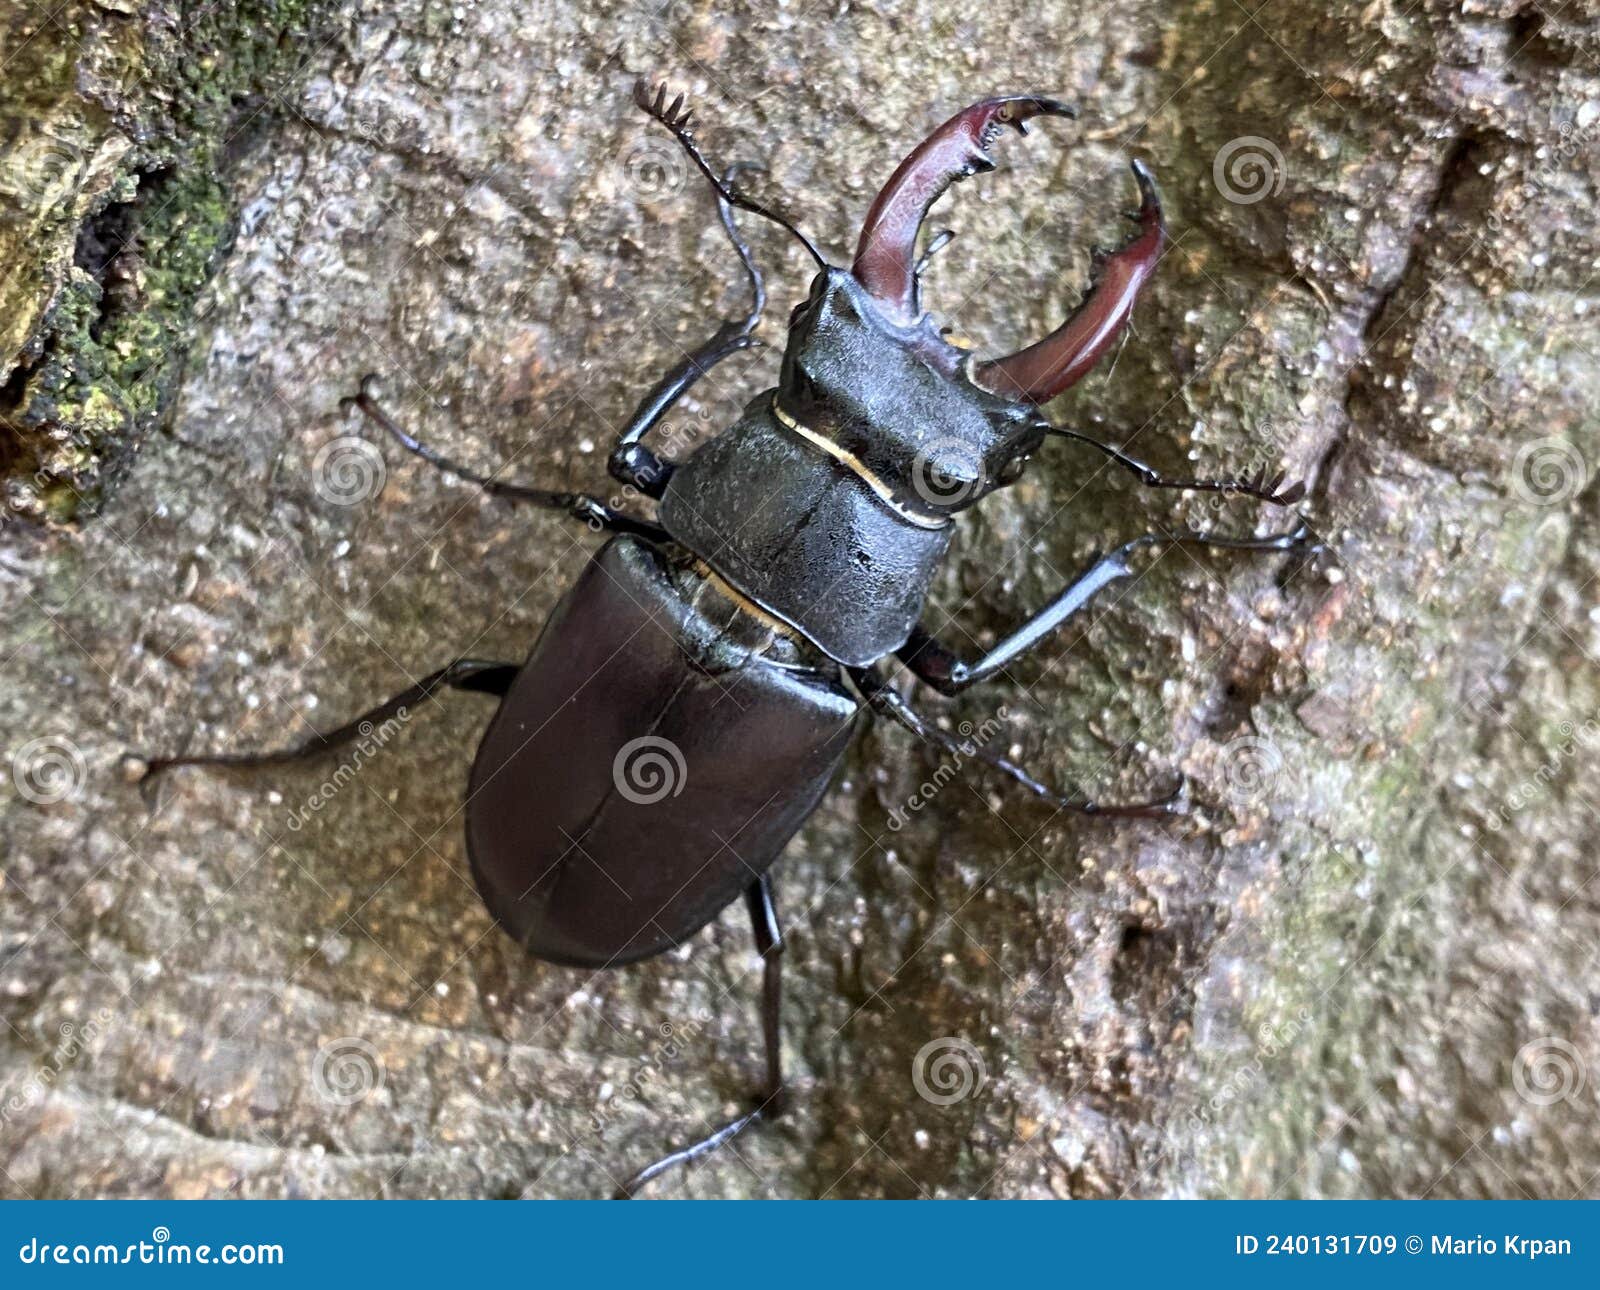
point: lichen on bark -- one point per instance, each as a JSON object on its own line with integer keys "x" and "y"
{"x": 116, "y": 118}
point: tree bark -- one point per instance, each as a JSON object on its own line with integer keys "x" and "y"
{"x": 1364, "y": 966}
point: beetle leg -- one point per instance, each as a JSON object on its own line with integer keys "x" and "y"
{"x": 1263, "y": 487}
{"x": 631, "y": 461}
{"x": 943, "y": 669}
{"x": 473, "y": 674}
{"x": 591, "y": 510}
{"x": 887, "y": 702}
{"x": 769, "y": 943}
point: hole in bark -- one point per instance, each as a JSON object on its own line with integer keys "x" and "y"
{"x": 1145, "y": 957}
{"x": 11, "y": 445}
{"x": 103, "y": 237}
{"x": 1525, "y": 25}
{"x": 108, "y": 248}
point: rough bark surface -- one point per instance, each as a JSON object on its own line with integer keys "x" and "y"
{"x": 1365, "y": 966}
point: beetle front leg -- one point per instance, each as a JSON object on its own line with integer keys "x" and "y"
{"x": 942, "y": 668}
{"x": 591, "y": 510}
{"x": 631, "y": 462}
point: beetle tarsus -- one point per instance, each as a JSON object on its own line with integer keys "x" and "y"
{"x": 481, "y": 676}
{"x": 883, "y": 699}
{"x": 763, "y": 909}
{"x": 685, "y": 1155}
{"x": 1173, "y": 805}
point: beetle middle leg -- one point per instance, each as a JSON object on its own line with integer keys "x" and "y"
{"x": 472, "y": 674}
{"x": 884, "y": 700}
{"x": 770, "y": 1104}
{"x": 946, "y": 671}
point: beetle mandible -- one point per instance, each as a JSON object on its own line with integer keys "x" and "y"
{"x": 617, "y": 804}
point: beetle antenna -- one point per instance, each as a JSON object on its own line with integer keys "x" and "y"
{"x": 676, "y": 118}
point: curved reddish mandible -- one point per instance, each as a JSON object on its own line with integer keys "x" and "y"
{"x": 885, "y": 255}
{"x": 1044, "y": 369}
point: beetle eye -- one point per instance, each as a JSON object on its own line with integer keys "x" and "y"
{"x": 1012, "y": 470}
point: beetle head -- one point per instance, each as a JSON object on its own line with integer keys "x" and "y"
{"x": 867, "y": 369}
{"x": 896, "y": 401}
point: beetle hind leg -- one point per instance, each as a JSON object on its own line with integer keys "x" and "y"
{"x": 770, "y": 1104}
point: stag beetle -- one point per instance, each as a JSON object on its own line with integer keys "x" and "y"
{"x": 618, "y": 801}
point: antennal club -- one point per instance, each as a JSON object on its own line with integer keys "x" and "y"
{"x": 676, "y": 117}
